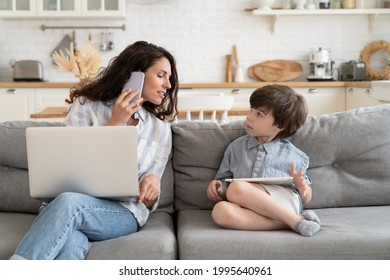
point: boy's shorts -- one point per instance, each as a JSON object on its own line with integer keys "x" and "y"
{"x": 286, "y": 196}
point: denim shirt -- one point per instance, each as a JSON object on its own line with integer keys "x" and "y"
{"x": 245, "y": 157}
{"x": 154, "y": 142}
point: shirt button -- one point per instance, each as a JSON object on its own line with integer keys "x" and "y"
{"x": 258, "y": 158}
{"x": 254, "y": 174}
{"x": 261, "y": 147}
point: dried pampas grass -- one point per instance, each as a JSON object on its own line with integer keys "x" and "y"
{"x": 84, "y": 62}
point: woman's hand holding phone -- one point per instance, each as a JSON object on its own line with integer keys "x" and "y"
{"x": 125, "y": 107}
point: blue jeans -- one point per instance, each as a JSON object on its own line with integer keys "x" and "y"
{"x": 64, "y": 227}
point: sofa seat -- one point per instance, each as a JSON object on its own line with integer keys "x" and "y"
{"x": 346, "y": 233}
{"x": 12, "y": 229}
{"x": 155, "y": 241}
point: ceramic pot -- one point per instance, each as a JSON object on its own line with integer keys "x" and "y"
{"x": 264, "y": 4}
{"x": 300, "y": 4}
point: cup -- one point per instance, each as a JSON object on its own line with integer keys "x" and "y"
{"x": 349, "y": 4}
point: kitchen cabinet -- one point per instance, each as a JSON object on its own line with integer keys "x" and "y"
{"x": 50, "y": 97}
{"x": 16, "y": 103}
{"x": 323, "y": 100}
{"x": 320, "y": 100}
{"x": 17, "y": 8}
{"x": 362, "y": 97}
{"x": 63, "y": 8}
{"x": 103, "y": 8}
{"x": 277, "y": 13}
{"x": 58, "y": 8}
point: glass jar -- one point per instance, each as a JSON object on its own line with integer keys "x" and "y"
{"x": 324, "y": 4}
{"x": 336, "y": 4}
{"x": 386, "y": 4}
{"x": 349, "y": 4}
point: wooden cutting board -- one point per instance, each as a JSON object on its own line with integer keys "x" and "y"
{"x": 279, "y": 70}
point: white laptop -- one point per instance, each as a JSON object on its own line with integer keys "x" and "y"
{"x": 99, "y": 161}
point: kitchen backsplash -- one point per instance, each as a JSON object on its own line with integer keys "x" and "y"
{"x": 200, "y": 34}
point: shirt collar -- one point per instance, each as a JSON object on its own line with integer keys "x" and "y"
{"x": 253, "y": 143}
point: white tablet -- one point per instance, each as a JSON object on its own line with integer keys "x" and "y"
{"x": 281, "y": 181}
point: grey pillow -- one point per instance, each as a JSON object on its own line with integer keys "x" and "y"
{"x": 14, "y": 186}
{"x": 198, "y": 149}
{"x": 349, "y": 157}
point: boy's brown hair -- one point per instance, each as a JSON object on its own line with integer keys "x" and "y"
{"x": 288, "y": 108}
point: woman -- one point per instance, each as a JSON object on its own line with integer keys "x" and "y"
{"x": 64, "y": 227}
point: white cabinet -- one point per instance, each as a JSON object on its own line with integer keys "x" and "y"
{"x": 62, "y": 8}
{"x": 50, "y": 97}
{"x": 16, "y": 103}
{"x": 105, "y": 8}
{"x": 361, "y": 97}
{"x": 320, "y": 100}
{"x": 323, "y": 100}
{"x": 58, "y": 8}
{"x": 17, "y": 8}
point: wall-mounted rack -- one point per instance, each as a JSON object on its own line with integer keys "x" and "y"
{"x": 44, "y": 27}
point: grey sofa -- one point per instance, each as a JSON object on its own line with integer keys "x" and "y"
{"x": 349, "y": 166}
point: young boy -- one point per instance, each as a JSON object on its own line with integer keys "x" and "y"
{"x": 276, "y": 113}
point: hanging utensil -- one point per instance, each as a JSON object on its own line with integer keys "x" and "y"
{"x": 110, "y": 42}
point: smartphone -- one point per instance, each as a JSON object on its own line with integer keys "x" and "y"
{"x": 136, "y": 81}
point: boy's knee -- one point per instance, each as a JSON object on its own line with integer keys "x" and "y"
{"x": 221, "y": 213}
{"x": 235, "y": 190}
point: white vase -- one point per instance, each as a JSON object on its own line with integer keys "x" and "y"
{"x": 300, "y": 4}
{"x": 264, "y": 4}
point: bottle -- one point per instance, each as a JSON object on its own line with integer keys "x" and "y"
{"x": 310, "y": 5}
{"x": 336, "y": 4}
{"x": 349, "y": 4}
{"x": 324, "y": 4}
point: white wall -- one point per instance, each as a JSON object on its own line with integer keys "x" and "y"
{"x": 199, "y": 33}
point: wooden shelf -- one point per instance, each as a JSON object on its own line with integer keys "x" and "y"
{"x": 275, "y": 14}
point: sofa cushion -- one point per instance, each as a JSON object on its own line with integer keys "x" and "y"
{"x": 13, "y": 226}
{"x": 198, "y": 149}
{"x": 14, "y": 186}
{"x": 349, "y": 157}
{"x": 346, "y": 233}
{"x": 156, "y": 240}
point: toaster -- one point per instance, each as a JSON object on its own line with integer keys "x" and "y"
{"x": 28, "y": 70}
{"x": 353, "y": 71}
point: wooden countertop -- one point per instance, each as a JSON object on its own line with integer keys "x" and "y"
{"x": 363, "y": 84}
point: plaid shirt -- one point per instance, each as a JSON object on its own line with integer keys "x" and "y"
{"x": 154, "y": 142}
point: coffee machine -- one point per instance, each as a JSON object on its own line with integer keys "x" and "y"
{"x": 321, "y": 66}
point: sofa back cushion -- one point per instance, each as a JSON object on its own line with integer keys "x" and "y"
{"x": 14, "y": 184}
{"x": 198, "y": 149}
{"x": 349, "y": 157}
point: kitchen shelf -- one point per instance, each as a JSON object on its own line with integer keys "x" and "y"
{"x": 275, "y": 14}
